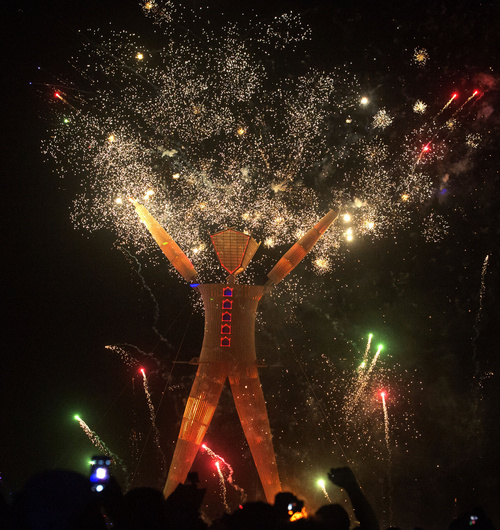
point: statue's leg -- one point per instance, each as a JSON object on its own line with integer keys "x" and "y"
{"x": 251, "y": 407}
{"x": 200, "y": 407}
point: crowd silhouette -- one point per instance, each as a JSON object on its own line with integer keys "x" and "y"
{"x": 64, "y": 500}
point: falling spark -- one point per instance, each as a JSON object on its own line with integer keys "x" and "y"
{"x": 357, "y": 413}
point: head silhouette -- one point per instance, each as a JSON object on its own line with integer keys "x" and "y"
{"x": 333, "y": 516}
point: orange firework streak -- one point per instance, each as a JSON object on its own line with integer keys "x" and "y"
{"x": 228, "y": 349}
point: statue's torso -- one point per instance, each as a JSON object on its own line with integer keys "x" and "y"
{"x": 230, "y": 312}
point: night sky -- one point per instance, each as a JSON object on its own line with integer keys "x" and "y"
{"x": 434, "y": 305}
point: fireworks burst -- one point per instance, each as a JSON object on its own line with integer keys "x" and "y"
{"x": 203, "y": 130}
{"x": 419, "y": 107}
{"x": 221, "y": 140}
{"x": 420, "y": 56}
{"x": 473, "y": 140}
{"x": 381, "y": 120}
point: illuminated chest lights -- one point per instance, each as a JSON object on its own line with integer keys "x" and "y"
{"x": 226, "y": 317}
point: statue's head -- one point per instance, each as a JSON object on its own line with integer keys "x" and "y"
{"x": 234, "y": 249}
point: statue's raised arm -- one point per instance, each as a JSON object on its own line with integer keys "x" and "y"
{"x": 168, "y": 246}
{"x": 298, "y": 251}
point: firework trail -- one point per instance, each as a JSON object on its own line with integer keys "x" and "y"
{"x": 386, "y": 422}
{"x": 230, "y": 471}
{"x": 222, "y": 485}
{"x": 450, "y": 124}
{"x": 152, "y": 416}
{"x": 425, "y": 149}
{"x": 156, "y": 315}
{"x": 482, "y": 290}
{"x": 367, "y": 351}
{"x": 453, "y": 97}
{"x": 374, "y": 360}
{"x": 474, "y": 94}
{"x": 477, "y": 376}
{"x": 124, "y": 356}
{"x": 389, "y": 454}
{"x": 94, "y": 438}
{"x": 58, "y": 95}
{"x": 322, "y": 485}
{"x": 363, "y": 380}
{"x": 130, "y": 360}
{"x": 357, "y": 415}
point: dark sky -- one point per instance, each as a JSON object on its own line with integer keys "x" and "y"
{"x": 69, "y": 294}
